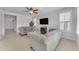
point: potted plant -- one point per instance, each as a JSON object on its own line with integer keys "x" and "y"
{"x": 31, "y": 24}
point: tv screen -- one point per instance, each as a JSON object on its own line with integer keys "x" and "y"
{"x": 44, "y": 21}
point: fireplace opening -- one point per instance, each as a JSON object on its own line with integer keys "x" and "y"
{"x": 43, "y": 30}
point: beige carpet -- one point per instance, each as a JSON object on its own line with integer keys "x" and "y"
{"x": 67, "y": 45}
{"x": 15, "y": 42}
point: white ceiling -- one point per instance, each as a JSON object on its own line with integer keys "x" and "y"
{"x": 21, "y": 10}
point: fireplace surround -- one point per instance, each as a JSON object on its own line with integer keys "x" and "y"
{"x": 43, "y": 30}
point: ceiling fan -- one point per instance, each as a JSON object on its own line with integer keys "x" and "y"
{"x": 31, "y": 10}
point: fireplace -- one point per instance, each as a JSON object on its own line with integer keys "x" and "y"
{"x": 43, "y": 30}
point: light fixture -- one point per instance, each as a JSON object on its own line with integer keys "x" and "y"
{"x": 31, "y": 11}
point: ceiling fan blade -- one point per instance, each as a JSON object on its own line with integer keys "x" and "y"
{"x": 36, "y": 10}
{"x": 27, "y": 8}
{"x": 31, "y": 8}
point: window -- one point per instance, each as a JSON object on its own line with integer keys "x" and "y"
{"x": 65, "y": 21}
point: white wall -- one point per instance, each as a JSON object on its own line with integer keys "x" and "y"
{"x": 54, "y": 21}
{"x": 1, "y": 24}
{"x": 78, "y": 26}
{"x": 78, "y": 20}
{"x": 22, "y": 20}
{"x": 9, "y": 21}
{"x": 2, "y": 17}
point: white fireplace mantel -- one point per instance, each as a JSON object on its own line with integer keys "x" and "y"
{"x": 44, "y": 26}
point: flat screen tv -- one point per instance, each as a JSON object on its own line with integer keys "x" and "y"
{"x": 44, "y": 21}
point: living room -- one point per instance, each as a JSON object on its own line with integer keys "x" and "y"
{"x": 62, "y": 20}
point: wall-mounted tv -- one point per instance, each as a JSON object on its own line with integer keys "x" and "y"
{"x": 44, "y": 21}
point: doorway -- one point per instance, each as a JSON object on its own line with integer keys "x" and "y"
{"x": 10, "y": 22}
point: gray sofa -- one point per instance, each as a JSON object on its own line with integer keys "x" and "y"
{"x": 24, "y": 30}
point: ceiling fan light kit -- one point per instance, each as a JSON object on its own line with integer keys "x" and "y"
{"x": 31, "y": 11}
